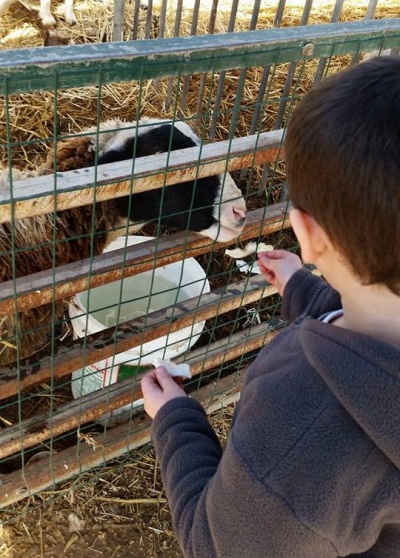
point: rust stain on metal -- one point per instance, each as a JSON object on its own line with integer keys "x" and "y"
{"x": 69, "y": 462}
{"x": 130, "y": 334}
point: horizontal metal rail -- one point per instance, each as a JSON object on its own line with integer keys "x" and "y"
{"x": 74, "y": 66}
{"x": 73, "y": 414}
{"x": 43, "y": 287}
{"x": 95, "y": 449}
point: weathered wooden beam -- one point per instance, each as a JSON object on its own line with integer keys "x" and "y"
{"x": 73, "y": 414}
{"x": 45, "y": 286}
{"x": 63, "y": 190}
{"x": 95, "y": 449}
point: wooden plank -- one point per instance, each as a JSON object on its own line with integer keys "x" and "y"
{"x": 36, "y": 196}
{"x": 73, "y": 414}
{"x": 45, "y": 286}
{"x": 99, "y": 448}
{"x": 33, "y": 69}
{"x": 71, "y": 356}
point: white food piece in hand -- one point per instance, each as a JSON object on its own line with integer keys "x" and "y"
{"x": 248, "y": 268}
{"x": 250, "y": 248}
{"x": 175, "y": 370}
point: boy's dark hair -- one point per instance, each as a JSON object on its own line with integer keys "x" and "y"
{"x": 343, "y": 165}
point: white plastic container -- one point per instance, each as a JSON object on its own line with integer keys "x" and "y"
{"x": 101, "y": 307}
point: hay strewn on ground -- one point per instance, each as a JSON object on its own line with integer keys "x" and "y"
{"x": 117, "y": 512}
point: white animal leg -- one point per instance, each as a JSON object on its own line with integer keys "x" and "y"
{"x": 5, "y": 4}
{"x": 69, "y": 12}
{"x": 45, "y": 14}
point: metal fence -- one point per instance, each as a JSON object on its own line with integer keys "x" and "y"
{"x": 237, "y": 91}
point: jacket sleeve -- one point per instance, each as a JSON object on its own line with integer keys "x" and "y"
{"x": 308, "y": 294}
{"x": 219, "y": 509}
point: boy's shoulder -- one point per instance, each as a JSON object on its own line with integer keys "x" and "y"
{"x": 308, "y": 294}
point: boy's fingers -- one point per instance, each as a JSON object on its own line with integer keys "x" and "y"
{"x": 273, "y": 254}
{"x": 148, "y": 382}
{"x": 163, "y": 377}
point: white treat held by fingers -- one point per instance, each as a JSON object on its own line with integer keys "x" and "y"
{"x": 250, "y": 248}
{"x": 175, "y": 370}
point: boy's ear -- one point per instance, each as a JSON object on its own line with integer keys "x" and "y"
{"x": 312, "y": 238}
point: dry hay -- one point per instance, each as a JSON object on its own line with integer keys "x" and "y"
{"x": 32, "y": 116}
{"x": 21, "y": 26}
{"x": 117, "y": 511}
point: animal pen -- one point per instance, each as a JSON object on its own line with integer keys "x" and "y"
{"x": 236, "y": 90}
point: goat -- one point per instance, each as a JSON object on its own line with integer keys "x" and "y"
{"x": 217, "y": 209}
{"x": 212, "y": 206}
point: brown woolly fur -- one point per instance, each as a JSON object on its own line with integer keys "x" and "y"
{"x": 30, "y": 247}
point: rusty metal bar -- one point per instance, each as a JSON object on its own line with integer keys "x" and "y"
{"x": 75, "y": 355}
{"x": 186, "y": 80}
{"x": 90, "y": 407}
{"x": 221, "y": 79}
{"x": 171, "y": 80}
{"x": 163, "y": 17}
{"x": 213, "y": 17}
{"x": 323, "y": 60}
{"x": 135, "y": 26}
{"x": 114, "y": 443}
{"x": 292, "y": 68}
{"x": 45, "y": 286}
{"x": 149, "y": 18}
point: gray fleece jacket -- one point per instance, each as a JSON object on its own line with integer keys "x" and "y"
{"x": 311, "y": 465}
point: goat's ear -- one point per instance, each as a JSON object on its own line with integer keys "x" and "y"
{"x": 312, "y": 238}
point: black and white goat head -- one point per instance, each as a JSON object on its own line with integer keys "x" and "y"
{"x": 213, "y": 206}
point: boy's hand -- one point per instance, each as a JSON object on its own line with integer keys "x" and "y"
{"x": 158, "y": 387}
{"x": 278, "y": 266}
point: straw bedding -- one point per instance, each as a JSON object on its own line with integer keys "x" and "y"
{"x": 32, "y": 115}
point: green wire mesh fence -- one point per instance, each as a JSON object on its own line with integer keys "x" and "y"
{"x": 64, "y": 198}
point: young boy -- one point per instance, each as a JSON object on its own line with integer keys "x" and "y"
{"x": 311, "y": 468}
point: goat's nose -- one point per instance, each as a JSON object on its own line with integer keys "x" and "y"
{"x": 239, "y": 215}
{"x": 239, "y": 212}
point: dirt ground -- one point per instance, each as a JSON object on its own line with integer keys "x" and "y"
{"x": 115, "y": 512}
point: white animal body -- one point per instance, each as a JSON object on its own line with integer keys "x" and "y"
{"x": 44, "y": 11}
